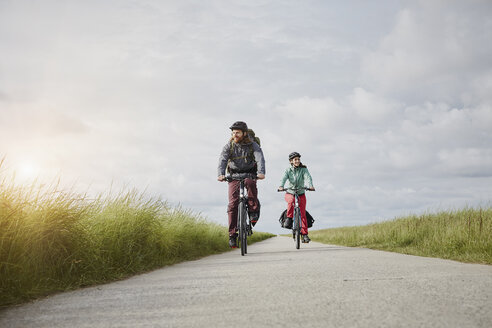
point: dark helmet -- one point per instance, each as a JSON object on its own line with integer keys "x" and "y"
{"x": 294, "y": 155}
{"x": 239, "y": 126}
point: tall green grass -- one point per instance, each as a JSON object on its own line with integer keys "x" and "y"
{"x": 463, "y": 235}
{"x": 52, "y": 240}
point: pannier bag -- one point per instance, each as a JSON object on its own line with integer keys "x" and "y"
{"x": 286, "y": 222}
{"x": 310, "y": 219}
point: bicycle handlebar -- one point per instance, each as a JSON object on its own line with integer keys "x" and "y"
{"x": 229, "y": 178}
{"x": 294, "y": 189}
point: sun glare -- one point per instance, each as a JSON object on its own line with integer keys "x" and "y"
{"x": 28, "y": 171}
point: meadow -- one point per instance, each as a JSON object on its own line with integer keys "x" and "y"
{"x": 463, "y": 235}
{"x": 53, "y": 240}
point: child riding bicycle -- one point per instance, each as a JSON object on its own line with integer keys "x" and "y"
{"x": 297, "y": 175}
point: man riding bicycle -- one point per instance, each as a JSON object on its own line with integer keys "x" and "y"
{"x": 243, "y": 158}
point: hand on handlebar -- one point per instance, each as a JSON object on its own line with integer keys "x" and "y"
{"x": 221, "y": 178}
{"x": 280, "y": 189}
{"x": 260, "y": 176}
{"x": 311, "y": 189}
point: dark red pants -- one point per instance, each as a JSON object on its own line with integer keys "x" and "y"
{"x": 253, "y": 205}
{"x": 290, "y": 199}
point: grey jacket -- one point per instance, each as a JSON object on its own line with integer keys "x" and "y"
{"x": 242, "y": 159}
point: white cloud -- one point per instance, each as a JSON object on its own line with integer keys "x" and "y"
{"x": 435, "y": 52}
{"x": 310, "y": 113}
{"x": 475, "y": 162}
{"x": 389, "y": 103}
{"x": 373, "y": 108}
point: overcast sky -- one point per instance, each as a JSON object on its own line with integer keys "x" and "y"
{"x": 389, "y": 102}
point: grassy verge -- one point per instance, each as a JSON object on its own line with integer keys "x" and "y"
{"x": 54, "y": 241}
{"x": 464, "y": 235}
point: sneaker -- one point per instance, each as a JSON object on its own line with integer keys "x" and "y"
{"x": 249, "y": 229}
{"x": 305, "y": 239}
{"x": 233, "y": 241}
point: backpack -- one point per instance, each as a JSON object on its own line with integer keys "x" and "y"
{"x": 253, "y": 136}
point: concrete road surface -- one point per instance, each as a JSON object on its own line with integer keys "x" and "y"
{"x": 275, "y": 285}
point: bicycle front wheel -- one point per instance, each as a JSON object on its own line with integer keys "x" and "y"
{"x": 243, "y": 234}
{"x": 297, "y": 228}
{"x": 245, "y": 229}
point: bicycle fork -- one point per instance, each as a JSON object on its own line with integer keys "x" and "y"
{"x": 297, "y": 221}
{"x": 244, "y": 199}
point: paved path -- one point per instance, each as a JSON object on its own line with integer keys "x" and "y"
{"x": 276, "y": 285}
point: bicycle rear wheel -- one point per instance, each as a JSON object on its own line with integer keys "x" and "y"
{"x": 243, "y": 234}
{"x": 297, "y": 228}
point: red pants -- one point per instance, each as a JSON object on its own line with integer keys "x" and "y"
{"x": 290, "y": 199}
{"x": 253, "y": 205}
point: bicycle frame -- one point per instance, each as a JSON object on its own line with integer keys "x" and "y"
{"x": 297, "y": 221}
{"x": 243, "y": 222}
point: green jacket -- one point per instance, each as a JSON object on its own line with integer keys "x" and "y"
{"x": 298, "y": 177}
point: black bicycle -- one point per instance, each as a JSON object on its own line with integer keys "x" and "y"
{"x": 296, "y": 220}
{"x": 243, "y": 221}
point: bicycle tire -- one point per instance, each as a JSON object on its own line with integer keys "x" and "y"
{"x": 242, "y": 228}
{"x": 297, "y": 226}
{"x": 246, "y": 231}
